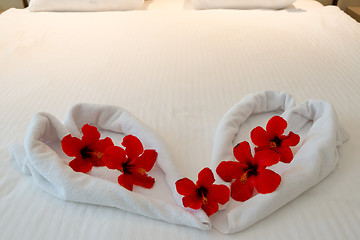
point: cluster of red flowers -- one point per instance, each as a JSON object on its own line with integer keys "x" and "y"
{"x": 246, "y": 174}
{"x": 133, "y": 162}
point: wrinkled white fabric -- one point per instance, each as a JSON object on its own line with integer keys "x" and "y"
{"x": 315, "y": 156}
{"x": 42, "y": 157}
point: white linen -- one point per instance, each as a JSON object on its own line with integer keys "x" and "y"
{"x": 179, "y": 71}
{"x": 42, "y": 157}
{"x": 84, "y": 5}
{"x": 242, "y": 4}
{"x": 315, "y": 156}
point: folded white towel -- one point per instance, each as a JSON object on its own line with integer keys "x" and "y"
{"x": 43, "y": 158}
{"x": 314, "y": 157}
{"x": 242, "y": 4}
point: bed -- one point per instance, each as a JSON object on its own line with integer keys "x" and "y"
{"x": 179, "y": 70}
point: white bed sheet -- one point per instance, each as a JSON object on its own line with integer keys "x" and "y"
{"x": 178, "y": 70}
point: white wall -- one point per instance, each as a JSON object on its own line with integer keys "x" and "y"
{"x": 5, "y": 4}
{"x": 343, "y": 4}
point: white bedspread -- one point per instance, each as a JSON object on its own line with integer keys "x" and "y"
{"x": 178, "y": 70}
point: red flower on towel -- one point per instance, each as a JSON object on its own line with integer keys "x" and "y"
{"x": 204, "y": 194}
{"x": 249, "y": 172}
{"x": 134, "y": 162}
{"x": 273, "y": 139}
{"x": 88, "y": 150}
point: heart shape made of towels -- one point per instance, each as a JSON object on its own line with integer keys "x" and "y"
{"x": 42, "y": 157}
{"x": 314, "y": 158}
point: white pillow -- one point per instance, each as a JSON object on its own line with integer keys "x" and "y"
{"x": 83, "y": 5}
{"x": 242, "y": 4}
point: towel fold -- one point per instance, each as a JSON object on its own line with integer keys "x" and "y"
{"x": 43, "y": 158}
{"x": 315, "y": 156}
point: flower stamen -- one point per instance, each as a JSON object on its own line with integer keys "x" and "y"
{"x": 202, "y": 192}
{"x": 142, "y": 171}
{"x": 244, "y": 177}
{"x": 98, "y": 154}
{"x": 204, "y": 200}
{"x": 275, "y": 142}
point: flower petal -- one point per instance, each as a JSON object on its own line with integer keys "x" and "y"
{"x": 210, "y": 207}
{"x": 80, "y": 165}
{"x": 291, "y": 139}
{"x": 126, "y": 180}
{"x": 114, "y": 157}
{"x": 147, "y": 160}
{"x": 260, "y": 137}
{"x": 276, "y": 126}
{"x": 185, "y": 186}
{"x": 230, "y": 170}
{"x": 286, "y": 154}
{"x": 192, "y": 201}
{"x": 241, "y": 191}
{"x": 220, "y": 193}
{"x": 143, "y": 180}
{"x": 90, "y": 134}
{"x": 266, "y": 181}
{"x": 263, "y": 148}
{"x": 205, "y": 178}
{"x": 96, "y": 161}
{"x": 266, "y": 158}
{"x": 242, "y": 152}
{"x": 133, "y": 147}
{"x": 72, "y": 146}
{"x": 103, "y": 144}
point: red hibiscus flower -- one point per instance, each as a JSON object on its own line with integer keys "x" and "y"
{"x": 273, "y": 139}
{"x": 250, "y": 172}
{"x": 204, "y": 194}
{"x": 88, "y": 150}
{"x": 133, "y": 162}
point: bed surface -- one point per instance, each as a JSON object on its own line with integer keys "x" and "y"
{"x": 178, "y": 70}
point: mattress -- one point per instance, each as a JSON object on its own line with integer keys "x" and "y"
{"x": 179, "y": 70}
